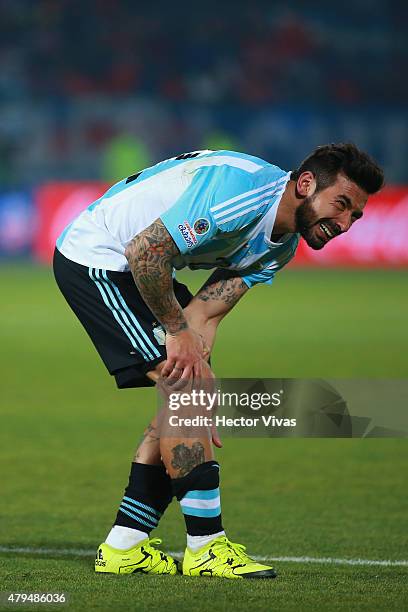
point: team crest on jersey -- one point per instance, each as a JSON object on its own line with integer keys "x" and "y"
{"x": 188, "y": 234}
{"x": 201, "y": 226}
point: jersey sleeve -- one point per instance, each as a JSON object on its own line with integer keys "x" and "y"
{"x": 207, "y": 207}
{"x": 264, "y": 276}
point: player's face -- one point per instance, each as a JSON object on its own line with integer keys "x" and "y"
{"x": 330, "y": 212}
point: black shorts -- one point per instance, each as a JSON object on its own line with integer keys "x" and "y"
{"x": 125, "y": 332}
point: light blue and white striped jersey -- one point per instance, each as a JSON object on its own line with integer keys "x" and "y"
{"x": 218, "y": 206}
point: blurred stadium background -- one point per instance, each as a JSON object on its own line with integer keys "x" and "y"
{"x": 92, "y": 91}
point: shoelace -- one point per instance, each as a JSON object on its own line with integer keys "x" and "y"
{"x": 238, "y": 549}
{"x": 155, "y": 542}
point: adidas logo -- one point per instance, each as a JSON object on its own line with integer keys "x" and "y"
{"x": 99, "y": 559}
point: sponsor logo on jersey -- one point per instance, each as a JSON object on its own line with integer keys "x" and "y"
{"x": 201, "y": 226}
{"x": 188, "y": 234}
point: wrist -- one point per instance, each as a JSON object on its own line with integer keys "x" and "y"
{"x": 176, "y": 330}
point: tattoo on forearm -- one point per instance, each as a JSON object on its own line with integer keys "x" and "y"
{"x": 228, "y": 291}
{"x": 185, "y": 458}
{"x": 150, "y": 255}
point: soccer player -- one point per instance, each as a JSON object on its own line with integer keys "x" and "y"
{"x": 115, "y": 266}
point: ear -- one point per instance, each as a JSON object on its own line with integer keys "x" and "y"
{"x": 306, "y": 184}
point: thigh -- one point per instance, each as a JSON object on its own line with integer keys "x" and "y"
{"x": 124, "y": 331}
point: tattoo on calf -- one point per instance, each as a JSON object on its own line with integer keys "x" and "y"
{"x": 149, "y": 437}
{"x": 150, "y": 432}
{"x": 185, "y": 459}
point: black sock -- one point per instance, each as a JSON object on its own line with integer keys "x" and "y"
{"x": 199, "y": 497}
{"x": 146, "y": 497}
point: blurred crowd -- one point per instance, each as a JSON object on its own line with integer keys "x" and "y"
{"x": 241, "y": 52}
{"x": 62, "y": 59}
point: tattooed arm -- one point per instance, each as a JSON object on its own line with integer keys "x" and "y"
{"x": 214, "y": 300}
{"x": 150, "y": 256}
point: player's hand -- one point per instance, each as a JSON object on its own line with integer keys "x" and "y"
{"x": 206, "y": 349}
{"x": 184, "y": 356}
{"x": 205, "y": 328}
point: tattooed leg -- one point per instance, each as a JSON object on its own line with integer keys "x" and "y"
{"x": 195, "y": 479}
{"x": 148, "y": 451}
{"x": 182, "y": 448}
{"x": 180, "y": 456}
{"x": 185, "y": 458}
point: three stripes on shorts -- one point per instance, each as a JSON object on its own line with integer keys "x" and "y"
{"x": 123, "y": 315}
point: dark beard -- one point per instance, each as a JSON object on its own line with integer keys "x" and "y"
{"x": 305, "y": 220}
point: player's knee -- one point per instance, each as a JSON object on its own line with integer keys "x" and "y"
{"x": 155, "y": 373}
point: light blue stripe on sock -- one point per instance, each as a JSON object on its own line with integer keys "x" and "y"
{"x": 211, "y": 494}
{"x": 148, "y": 508}
{"x": 153, "y": 520}
{"x": 136, "y": 514}
{"x": 201, "y": 512}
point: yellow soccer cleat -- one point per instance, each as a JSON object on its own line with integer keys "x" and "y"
{"x": 143, "y": 558}
{"x": 224, "y": 559}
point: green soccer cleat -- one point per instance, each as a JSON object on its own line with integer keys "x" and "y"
{"x": 224, "y": 559}
{"x": 143, "y": 558}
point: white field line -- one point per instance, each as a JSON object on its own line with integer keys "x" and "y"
{"x": 86, "y": 552}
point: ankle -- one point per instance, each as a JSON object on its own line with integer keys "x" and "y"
{"x": 194, "y": 543}
{"x": 124, "y": 538}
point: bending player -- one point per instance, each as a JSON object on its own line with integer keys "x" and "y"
{"x": 114, "y": 264}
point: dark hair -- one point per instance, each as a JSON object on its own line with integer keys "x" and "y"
{"x": 327, "y": 161}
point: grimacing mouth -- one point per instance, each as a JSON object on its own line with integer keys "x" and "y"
{"x": 326, "y": 229}
{"x": 327, "y": 232}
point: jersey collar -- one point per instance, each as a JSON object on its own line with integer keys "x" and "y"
{"x": 271, "y": 216}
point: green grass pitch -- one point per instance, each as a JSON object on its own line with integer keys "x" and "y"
{"x": 67, "y": 437}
